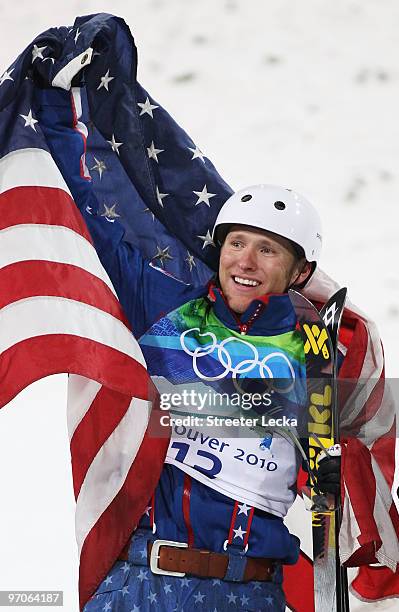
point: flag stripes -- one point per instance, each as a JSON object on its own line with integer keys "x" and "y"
{"x": 114, "y": 527}
{"x": 30, "y": 167}
{"x": 49, "y": 243}
{"x": 105, "y": 414}
{"x": 44, "y": 279}
{"x": 59, "y": 313}
{"x": 41, "y": 315}
{"x": 52, "y": 207}
{"x": 109, "y": 468}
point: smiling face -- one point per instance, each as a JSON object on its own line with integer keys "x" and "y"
{"x": 255, "y": 262}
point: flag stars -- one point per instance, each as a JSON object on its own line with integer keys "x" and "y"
{"x": 125, "y": 591}
{"x": 6, "y": 76}
{"x": 149, "y": 211}
{"x": 216, "y": 581}
{"x": 204, "y": 196}
{"x": 244, "y": 509}
{"x": 37, "y": 52}
{"x": 125, "y": 568}
{"x": 107, "y": 607}
{"x": 160, "y": 196}
{"x": 105, "y": 81}
{"x": 269, "y": 600}
{"x": 197, "y": 154}
{"x": 199, "y": 597}
{"x": 110, "y": 213}
{"x": 244, "y": 600}
{"x": 142, "y": 575}
{"x": 153, "y": 152}
{"x": 152, "y": 597}
{"x": 163, "y": 255}
{"x": 232, "y": 598}
{"x": 185, "y": 582}
{"x": 29, "y": 120}
{"x": 99, "y": 166}
{"x": 191, "y": 261}
{"x": 147, "y": 107}
{"x": 167, "y": 588}
{"x": 143, "y": 553}
{"x": 108, "y": 580}
{"x": 115, "y": 145}
{"x": 239, "y": 533}
{"x": 207, "y": 240}
{"x": 135, "y": 608}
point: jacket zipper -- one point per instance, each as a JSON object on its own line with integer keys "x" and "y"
{"x": 244, "y": 327}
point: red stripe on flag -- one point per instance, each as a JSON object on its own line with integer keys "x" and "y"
{"x": 383, "y": 451}
{"x": 354, "y": 359}
{"x": 41, "y": 205}
{"x": 373, "y": 402}
{"x": 103, "y": 416}
{"x": 233, "y": 522}
{"x": 350, "y": 372}
{"x": 298, "y": 585}
{"x": 26, "y": 279}
{"x": 35, "y": 358}
{"x": 357, "y": 469}
{"x": 104, "y": 543}
{"x": 250, "y": 519}
{"x": 376, "y": 583}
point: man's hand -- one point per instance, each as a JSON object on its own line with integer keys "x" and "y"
{"x": 329, "y": 471}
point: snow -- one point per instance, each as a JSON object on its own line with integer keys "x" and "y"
{"x": 301, "y": 95}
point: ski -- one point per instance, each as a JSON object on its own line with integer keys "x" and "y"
{"x": 320, "y": 336}
{"x": 331, "y": 313}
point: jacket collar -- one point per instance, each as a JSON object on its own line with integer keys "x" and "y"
{"x": 268, "y": 315}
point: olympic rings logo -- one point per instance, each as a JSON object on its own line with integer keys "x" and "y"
{"x": 262, "y": 367}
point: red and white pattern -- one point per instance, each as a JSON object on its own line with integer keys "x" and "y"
{"x": 59, "y": 313}
{"x": 370, "y": 524}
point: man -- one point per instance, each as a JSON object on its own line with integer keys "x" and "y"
{"x": 210, "y": 498}
{"x": 210, "y": 495}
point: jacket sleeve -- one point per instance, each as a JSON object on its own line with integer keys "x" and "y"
{"x": 146, "y": 292}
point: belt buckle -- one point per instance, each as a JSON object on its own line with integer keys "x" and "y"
{"x": 154, "y": 557}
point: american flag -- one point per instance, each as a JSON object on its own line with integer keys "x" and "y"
{"x": 370, "y": 522}
{"x": 59, "y": 313}
{"x": 59, "y": 304}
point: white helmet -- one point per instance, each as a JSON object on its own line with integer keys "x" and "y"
{"x": 275, "y": 209}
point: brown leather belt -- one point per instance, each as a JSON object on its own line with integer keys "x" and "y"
{"x": 203, "y": 563}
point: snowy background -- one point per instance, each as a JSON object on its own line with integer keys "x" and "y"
{"x": 305, "y": 96}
